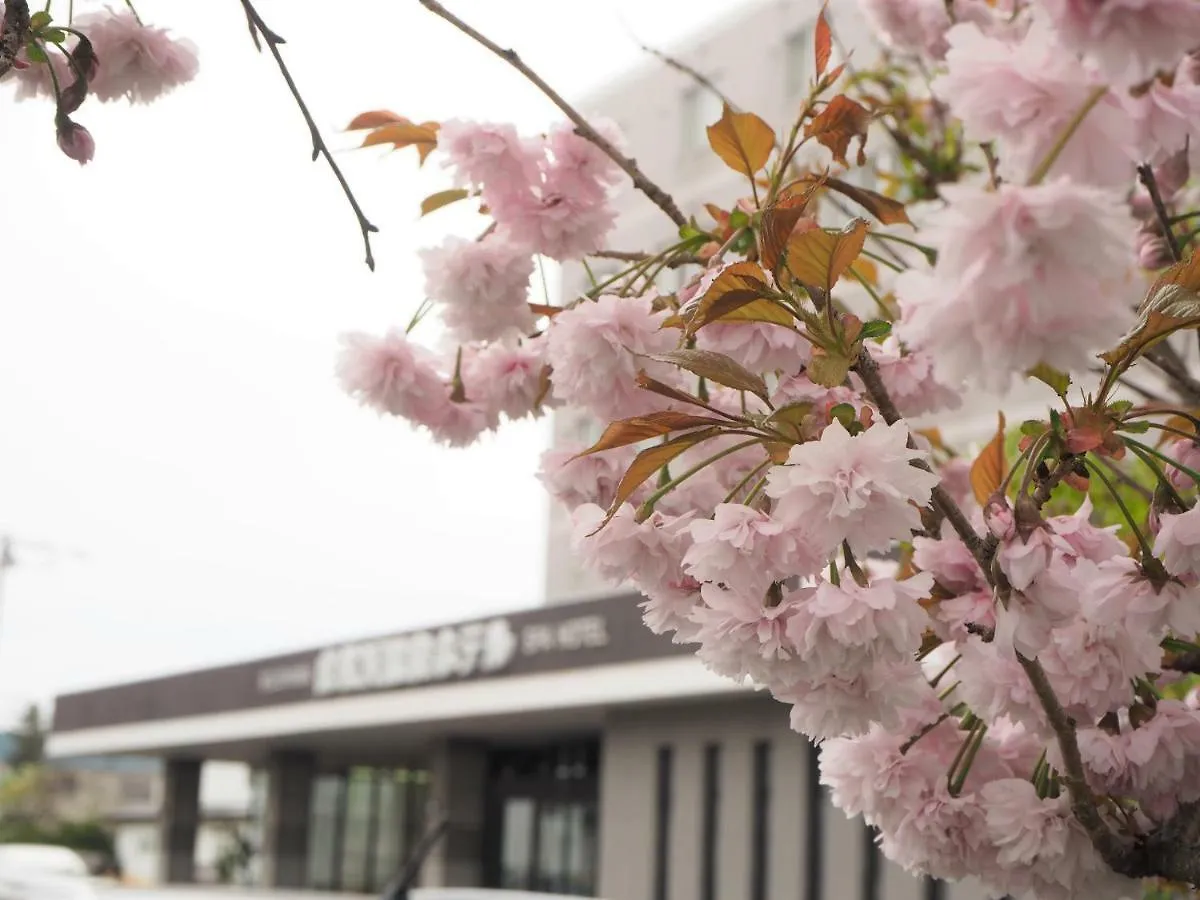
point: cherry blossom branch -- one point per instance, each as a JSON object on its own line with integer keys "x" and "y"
{"x": 583, "y": 128}
{"x": 868, "y": 371}
{"x": 701, "y": 79}
{"x": 13, "y": 31}
{"x": 1150, "y": 183}
{"x": 679, "y": 259}
{"x": 259, "y": 28}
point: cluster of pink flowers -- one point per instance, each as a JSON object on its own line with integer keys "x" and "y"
{"x": 128, "y": 60}
{"x": 771, "y": 554}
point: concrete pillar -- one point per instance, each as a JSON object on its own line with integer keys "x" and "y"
{"x": 179, "y": 821}
{"x": 457, "y": 789}
{"x": 286, "y": 819}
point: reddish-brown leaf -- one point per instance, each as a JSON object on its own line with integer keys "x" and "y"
{"x": 641, "y": 428}
{"x": 742, "y": 140}
{"x": 646, "y": 383}
{"x": 1171, "y": 304}
{"x": 820, "y": 257}
{"x": 717, "y": 367}
{"x": 649, "y": 461}
{"x": 822, "y": 43}
{"x": 403, "y": 134}
{"x": 542, "y": 309}
{"x": 885, "y": 209}
{"x": 987, "y": 471}
{"x": 840, "y": 122}
{"x": 779, "y": 222}
{"x": 376, "y": 119}
{"x": 737, "y": 284}
{"x": 442, "y": 198}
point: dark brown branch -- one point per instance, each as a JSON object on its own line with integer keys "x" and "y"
{"x": 1185, "y": 662}
{"x": 679, "y": 259}
{"x": 656, "y": 194}
{"x": 1165, "y": 357}
{"x": 868, "y": 371}
{"x": 1083, "y": 801}
{"x": 1146, "y": 176}
{"x": 15, "y": 30}
{"x": 258, "y": 28}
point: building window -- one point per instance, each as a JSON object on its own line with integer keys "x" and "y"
{"x": 701, "y": 108}
{"x": 798, "y": 62}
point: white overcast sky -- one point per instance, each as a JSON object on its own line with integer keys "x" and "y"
{"x": 168, "y": 321}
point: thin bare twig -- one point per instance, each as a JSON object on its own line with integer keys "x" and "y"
{"x": 259, "y": 28}
{"x": 583, "y": 128}
{"x": 699, "y": 77}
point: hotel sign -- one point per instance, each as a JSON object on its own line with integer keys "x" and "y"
{"x": 436, "y": 655}
{"x": 547, "y": 639}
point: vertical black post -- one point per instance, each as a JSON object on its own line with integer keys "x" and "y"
{"x": 369, "y": 874}
{"x": 872, "y": 867}
{"x": 814, "y": 857}
{"x": 760, "y": 834}
{"x": 662, "y": 823}
{"x": 710, "y": 812}
{"x": 935, "y": 889}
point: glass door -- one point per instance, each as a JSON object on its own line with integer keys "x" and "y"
{"x": 543, "y": 820}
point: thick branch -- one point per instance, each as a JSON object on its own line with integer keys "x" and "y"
{"x": 868, "y": 371}
{"x": 259, "y": 27}
{"x": 660, "y": 197}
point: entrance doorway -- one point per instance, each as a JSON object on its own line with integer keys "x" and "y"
{"x": 542, "y": 818}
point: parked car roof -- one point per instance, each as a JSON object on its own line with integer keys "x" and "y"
{"x": 42, "y": 858}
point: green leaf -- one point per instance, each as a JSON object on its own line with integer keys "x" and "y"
{"x": 34, "y": 53}
{"x": 845, "y": 414}
{"x": 1058, "y": 381}
{"x": 54, "y": 35}
{"x": 876, "y": 328}
{"x": 1120, "y": 407}
{"x": 1140, "y": 426}
{"x": 828, "y": 369}
{"x": 1033, "y": 428}
{"x": 39, "y": 20}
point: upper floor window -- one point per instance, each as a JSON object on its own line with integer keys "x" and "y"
{"x": 701, "y": 108}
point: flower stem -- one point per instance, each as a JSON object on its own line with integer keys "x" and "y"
{"x": 1147, "y": 551}
{"x": 648, "y": 505}
{"x": 1047, "y": 163}
{"x": 1191, "y": 473}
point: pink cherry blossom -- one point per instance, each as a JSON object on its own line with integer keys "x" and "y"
{"x": 1022, "y": 94}
{"x": 506, "y": 378}
{"x": 591, "y": 346}
{"x": 741, "y": 635}
{"x": 74, "y": 140}
{"x": 481, "y": 287}
{"x": 646, "y": 553}
{"x": 1122, "y": 593}
{"x": 919, "y": 26}
{"x": 486, "y": 155}
{"x": 842, "y": 629}
{"x": 1024, "y": 275}
{"x": 574, "y": 480}
{"x": 390, "y": 374}
{"x": 1164, "y": 119}
{"x": 1186, "y": 453}
{"x": 858, "y": 489}
{"x": 1178, "y": 543}
{"x": 1129, "y": 40}
{"x": 137, "y": 62}
{"x": 949, "y": 561}
{"x": 884, "y": 693}
{"x": 913, "y": 384}
{"x": 457, "y": 423}
{"x": 1021, "y": 825}
{"x": 745, "y": 550}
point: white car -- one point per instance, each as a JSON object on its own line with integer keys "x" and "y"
{"x": 43, "y": 872}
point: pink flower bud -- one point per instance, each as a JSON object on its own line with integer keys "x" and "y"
{"x": 75, "y": 140}
{"x": 998, "y": 516}
{"x": 1152, "y": 249}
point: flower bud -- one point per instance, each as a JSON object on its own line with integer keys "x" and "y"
{"x": 998, "y": 516}
{"x": 1153, "y": 252}
{"x": 74, "y": 140}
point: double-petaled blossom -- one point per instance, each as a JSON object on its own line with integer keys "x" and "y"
{"x": 137, "y": 62}
{"x": 592, "y": 348}
{"x": 480, "y": 287}
{"x": 1024, "y": 275}
{"x": 1023, "y": 95}
{"x": 860, "y": 489}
